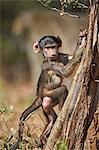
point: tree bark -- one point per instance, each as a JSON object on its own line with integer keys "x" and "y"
{"x": 81, "y": 106}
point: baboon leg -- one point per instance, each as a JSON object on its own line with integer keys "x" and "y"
{"x": 52, "y": 116}
{"x": 36, "y": 104}
{"x": 54, "y": 97}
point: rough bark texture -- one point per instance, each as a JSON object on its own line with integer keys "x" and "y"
{"x": 78, "y": 121}
{"x": 83, "y": 117}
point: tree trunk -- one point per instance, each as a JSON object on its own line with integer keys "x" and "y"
{"x": 78, "y": 121}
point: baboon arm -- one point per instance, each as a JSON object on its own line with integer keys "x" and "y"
{"x": 66, "y": 70}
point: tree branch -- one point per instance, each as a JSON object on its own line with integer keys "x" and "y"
{"x": 60, "y": 12}
{"x": 75, "y": 113}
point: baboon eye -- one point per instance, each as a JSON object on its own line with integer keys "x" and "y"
{"x": 53, "y": 47}
{"x": 48, "y": 47}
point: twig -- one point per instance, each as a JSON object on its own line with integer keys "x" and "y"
{"x": 41, "y": 119}
{"x": 6, "y": 125}
{"x": 29, "y": 132}
{"x": 83, "y": 5}
{"x": 65, "y": 13}
{"x": 11, "y": 136}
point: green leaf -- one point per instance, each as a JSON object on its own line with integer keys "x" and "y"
{"x": 61, "y": 146}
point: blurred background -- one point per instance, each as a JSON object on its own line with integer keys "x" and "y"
{"x": 21, "y": 23}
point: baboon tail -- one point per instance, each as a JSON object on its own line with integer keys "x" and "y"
{"x": 36, "y": 104}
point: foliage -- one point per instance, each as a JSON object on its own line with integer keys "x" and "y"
{"x": 10, "y": 9}
{"x": 4, "y": 108}
{"x": 68, "y": 7}
{"x": 10, "y": 50}
{"x": 13, "y": 57}
{"x": 67, "y": 4}
{"x": 61, "y": 146}
{"x": 14, "y": 62}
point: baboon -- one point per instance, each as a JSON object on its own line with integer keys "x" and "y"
{"x": 50, "y": 90}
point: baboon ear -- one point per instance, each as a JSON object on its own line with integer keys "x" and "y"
{"x": 36, "y": 47}
{"x": 59, "y": 41}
